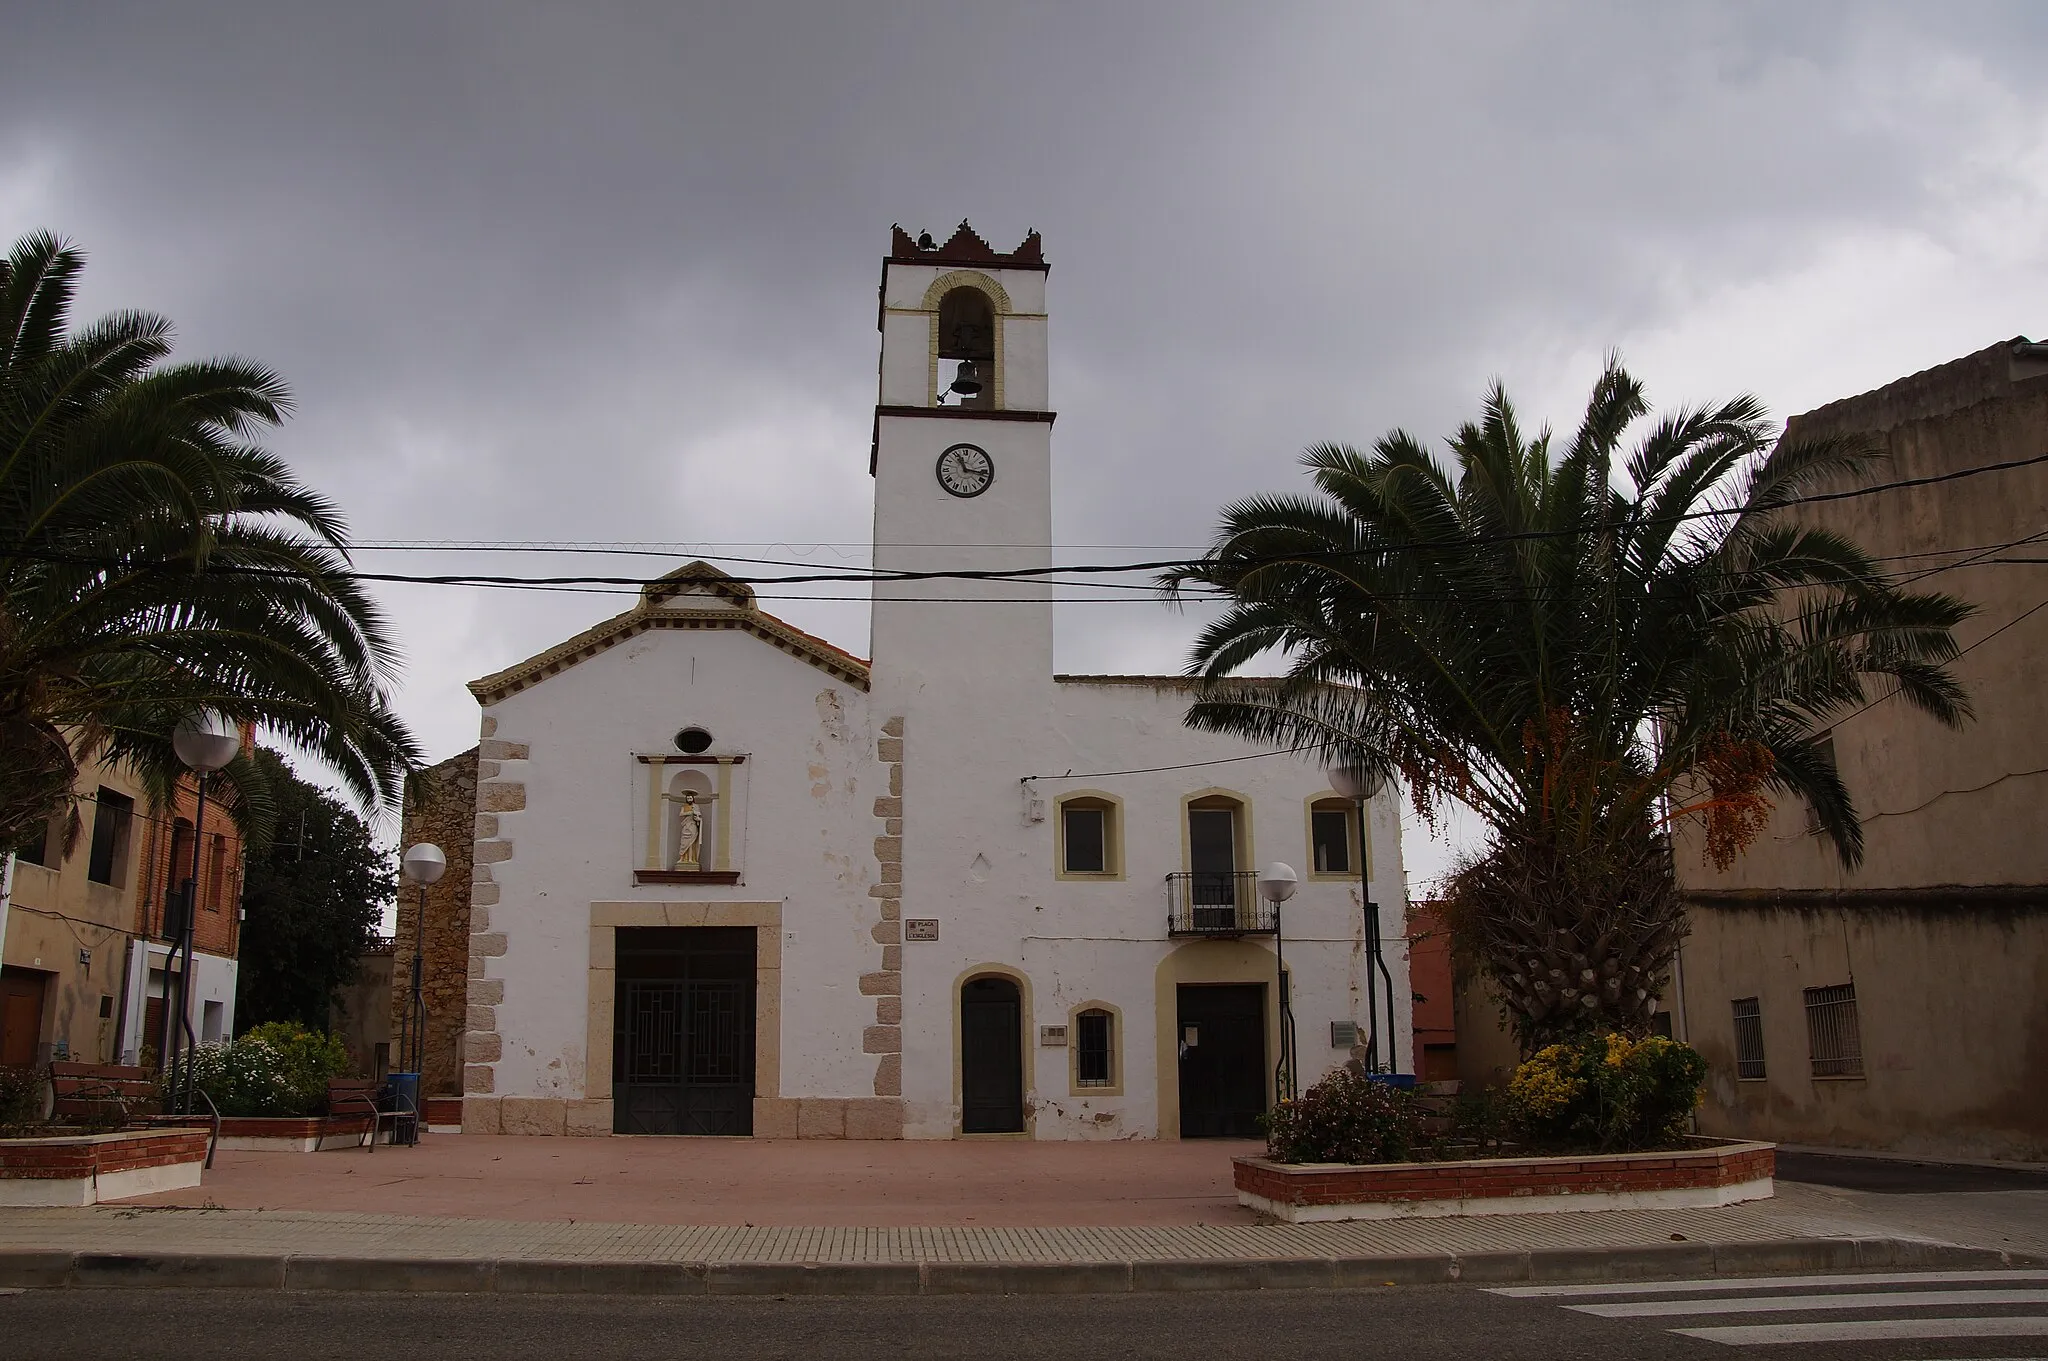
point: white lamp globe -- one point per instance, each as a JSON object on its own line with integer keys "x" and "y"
{"x": 1277, "y": 882}
{"x": 206, "y": 741}
{"x": 424, "y": 864}
{"x": 1352, "y": 780}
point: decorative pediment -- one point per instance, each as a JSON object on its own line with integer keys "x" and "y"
{"x": 964, "y": 247}
{"x": 698, "y": 596}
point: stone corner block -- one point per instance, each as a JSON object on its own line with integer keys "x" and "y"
{"x": 894, "y": 727}
{"x": 501, "y": 796}
{"x": 881, "y": 1039}
{"x": 589, "y": 1117}
{"x": 889, "y": 1076}
{"x": 884, "y": 984}
{"x": 478, "y": 1079}
{"x": 775, "y": 1117}
{"x": 532, "y": 1115}
{"x": 874, "y": 1117}
{"x": 480, "y": 1115}
{"x": 820, "y": 1118}
{"x": 482, "y": 1047}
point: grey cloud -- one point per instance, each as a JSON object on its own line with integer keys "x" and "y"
{"x": 607, "y": 272}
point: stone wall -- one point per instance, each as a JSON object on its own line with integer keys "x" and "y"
{"x": 440, "y": 806}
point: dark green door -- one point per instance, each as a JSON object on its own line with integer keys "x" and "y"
{"x": 991, "y": 1057}
{"x": 1222, "y": 1060}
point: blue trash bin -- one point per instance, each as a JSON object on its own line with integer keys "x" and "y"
{"x": 1405, "y": 1081}
{"x": 405, "y": 1098}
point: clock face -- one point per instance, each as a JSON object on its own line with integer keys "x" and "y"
{"x": 966, "y": 470}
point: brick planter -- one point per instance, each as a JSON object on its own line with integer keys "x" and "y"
{"x": 293, "y": 1133}
{"x": 1711, "y": 1172}
{"x": 85, "y": 1169}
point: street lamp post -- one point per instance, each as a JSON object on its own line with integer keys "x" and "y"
{"x": 205, "y": 742}
{"x": 422, "y": 864}
{"x": 1361, "y": 783}
{"x": 1276, "y": 885}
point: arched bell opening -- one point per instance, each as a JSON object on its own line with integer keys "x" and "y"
{"x": 967, "y": 349}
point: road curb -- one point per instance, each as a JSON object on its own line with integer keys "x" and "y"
{"x": 37, "y": 1268}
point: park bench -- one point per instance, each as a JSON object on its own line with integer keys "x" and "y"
{"x": 364, "y": 1096}
{"x": 118, "y": 1094}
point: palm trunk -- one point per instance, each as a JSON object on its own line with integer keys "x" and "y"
{"x": 1576, "y": 937}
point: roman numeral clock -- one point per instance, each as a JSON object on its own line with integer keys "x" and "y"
{"x": 966, "y": 470}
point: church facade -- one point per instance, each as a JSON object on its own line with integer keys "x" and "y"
{"x": 729, "y": 879}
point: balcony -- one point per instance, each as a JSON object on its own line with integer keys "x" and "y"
{"x": 1213, "y": 903}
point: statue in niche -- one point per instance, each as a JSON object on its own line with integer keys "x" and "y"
{"x": 689, "y": 829}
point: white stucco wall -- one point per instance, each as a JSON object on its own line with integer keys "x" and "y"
{"x": 810, "y": 786}
{"x": 973, "y": 860}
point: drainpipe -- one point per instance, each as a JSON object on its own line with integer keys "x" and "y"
{"x": 6, "y": 896}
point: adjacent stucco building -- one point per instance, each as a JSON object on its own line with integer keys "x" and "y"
{"x": 85, "y": 952}
{"x": 728, "y": 878}
{"x": 1904, "y": 1005}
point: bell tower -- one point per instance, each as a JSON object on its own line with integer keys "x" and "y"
{"x": 962, "y": 461}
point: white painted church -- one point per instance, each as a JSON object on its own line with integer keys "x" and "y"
{"x": 733, "y": 880}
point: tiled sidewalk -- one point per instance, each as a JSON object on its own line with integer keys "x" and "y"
{"x": 1798, "y": 1213}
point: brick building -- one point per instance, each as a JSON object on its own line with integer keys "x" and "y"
{"x": 440, "y": 807}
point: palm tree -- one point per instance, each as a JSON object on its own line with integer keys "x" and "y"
{"x": 1589, "y": 650}
{"x": 154, "y": 561}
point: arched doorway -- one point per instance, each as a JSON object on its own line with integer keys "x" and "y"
{"x": 991, "y": 1057}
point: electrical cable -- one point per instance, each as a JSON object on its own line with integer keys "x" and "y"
{"x": 1019, "y": 574}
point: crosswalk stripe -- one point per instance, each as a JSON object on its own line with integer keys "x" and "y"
{"x": 1797, "y": 1304}
{"x": 1723, "y": 1283}
{"x": 1872, "y": 1330}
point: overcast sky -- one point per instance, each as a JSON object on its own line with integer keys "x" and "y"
{"x": 606, "y": 272}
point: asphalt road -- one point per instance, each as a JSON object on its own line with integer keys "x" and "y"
{"x": 1424, "y": 1323}
{"x": 1893, "y": 1176}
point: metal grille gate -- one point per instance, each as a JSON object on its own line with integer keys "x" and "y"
{"x": 684, "y": 1045}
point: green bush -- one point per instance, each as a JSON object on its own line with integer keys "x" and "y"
{"x": 1607, "y": 1092}
{"x": 21, "y": 1100}
{"x": 1345, "y": 1118}
{"x": 277, "y": 1069}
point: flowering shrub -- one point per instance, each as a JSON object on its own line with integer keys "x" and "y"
{"x": 277, "y": 1069}
{"x": 1607, "y": 1092}
{"x": 1345, "y": 1118}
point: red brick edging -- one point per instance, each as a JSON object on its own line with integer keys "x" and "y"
{"x": 79, "y": 1156}
{"x": 291, "y": 1126}
{"x": 1490, "y": 1185}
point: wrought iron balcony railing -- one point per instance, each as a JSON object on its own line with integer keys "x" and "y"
{"x": 1213, "y": 903}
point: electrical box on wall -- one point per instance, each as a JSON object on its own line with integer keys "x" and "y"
{"x": 1052, "y": 1036}
{"x": 1343, "y": 1034}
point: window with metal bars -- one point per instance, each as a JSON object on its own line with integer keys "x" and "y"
{"x": 1749, "y": 1037}
{"x": 1092, "y": 1059}
{"x": 1833, "y": 1040}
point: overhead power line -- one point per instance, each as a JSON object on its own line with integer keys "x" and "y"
{"x": 1022, "y": 574}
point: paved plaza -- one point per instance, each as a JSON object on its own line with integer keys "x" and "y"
{"x": 1005, "y": 1183}
{"x": 708, "y": 1201}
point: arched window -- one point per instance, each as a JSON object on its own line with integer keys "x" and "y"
{"x": 1334, "y": 846}
{"x": 1090, "y": 839}
{"x": 1094, "y": 1048}
{"x": 216, "y": 872}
